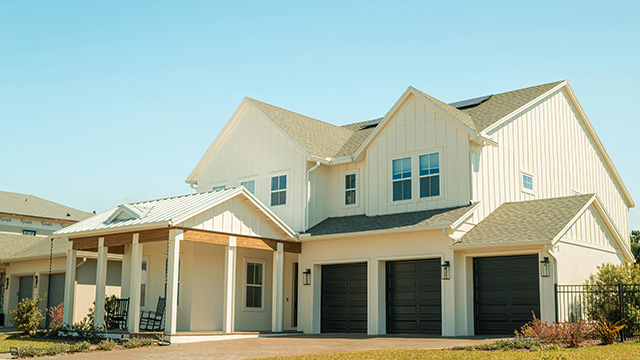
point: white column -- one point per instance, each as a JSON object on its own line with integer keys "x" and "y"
{"x": 449, "y": 312}
{"x": 69, "y": 287}
{"x": 229, "y": 286}
{"x": 171, "y": 322}
{"x": 135, "y": 277}
{"x": 101, "y": 284}
{"x": 278, "y": 282}
{"x": 376, "y": 298}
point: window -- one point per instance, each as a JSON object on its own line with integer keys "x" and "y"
{"x": 350, "y": 189}
{"x": 279, "y": 190}
{"x": 219, "y": 187}
{"x": 429, "y": 175}
{"x": 254, "y": 285}
{"x": 401, "y": 179}
{"x": 29, "y": 232}
{"x": 527, "y": 182}
{"x": 143, "y": 283}
{"x": 250, "y": 185}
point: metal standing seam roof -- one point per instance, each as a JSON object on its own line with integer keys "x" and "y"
{"x": 326, "y": 140}
{"x": 168, "y": 211}
{"x": 29, "y": 205}
{"x": 409, "y": 220}
{"x": 527, "y": 221}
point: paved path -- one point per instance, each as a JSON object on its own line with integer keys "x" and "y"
{"x": 279, "y": 346}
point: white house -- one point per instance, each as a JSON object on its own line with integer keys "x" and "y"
{"x": 452, "y": 219}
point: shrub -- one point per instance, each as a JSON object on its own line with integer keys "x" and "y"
{"x": 27, "y": 316}
{"x": 607, "y": 331}
{"x": 517, "y": 343}
{"x": 55, "y": 315}
{"x": 85, "y": 329}
{"x": 28, "y": 351}
{"x": 569, "y": 333}
{"x": 109, "y": 312}
{"x": 79, "y": 347}
{"x": 56, "y": 349}
{"x": 106, "y": 345}
{"x": 138, "y": 342}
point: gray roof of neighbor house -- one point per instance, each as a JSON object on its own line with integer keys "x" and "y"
{"x": 527, "y": 221}
{"x": 326, "y": 140}
{"x": 16, "y": 246}
{"x": 29, "y": 205}
{"x": 410, "y": 220}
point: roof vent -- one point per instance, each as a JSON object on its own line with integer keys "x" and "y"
{"x": 127, "y": 212}
{"x": 470, "y": 102}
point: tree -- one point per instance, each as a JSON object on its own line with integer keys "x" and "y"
{"x": 635, "y": 245}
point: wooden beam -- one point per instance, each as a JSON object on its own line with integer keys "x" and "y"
{"x": 242, "y": 241}
{"x": 120, "y": 239}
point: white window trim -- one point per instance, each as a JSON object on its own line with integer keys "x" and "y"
{"x": 250, "y": 178}
{"x": 440, "y": 174}
{"x": 533, "y": 182}
{"x": 244, "y": 283}
{"x": 288, "y": 199}
{"x": 355, "y": 172}
{"x": 218, "y": 185}
{"x": 146, "y": 293}
{"x": 391, "y": 181}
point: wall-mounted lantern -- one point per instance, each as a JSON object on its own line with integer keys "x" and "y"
{"x": 544, "y": 267}
{"x": 36, "y": 285}
{"x": 306, "y": 277}
{"x": 7, "y": 286}
{"x": 446, "y": 270}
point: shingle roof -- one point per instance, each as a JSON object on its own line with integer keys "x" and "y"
{"x": 326, "y": 140}
{"x": 16, "y": 246}
{"x": 29, "y": 205}
{"x": 523, "y": 221}
{"x": 410, "y": 220}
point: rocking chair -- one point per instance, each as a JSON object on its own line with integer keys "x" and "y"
{"x": 121, "y": 313}
{"x": 153, "y": 320}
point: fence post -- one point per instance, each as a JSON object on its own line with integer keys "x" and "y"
{"x": 622, "y": 313}
{"x": 555, "y": 291}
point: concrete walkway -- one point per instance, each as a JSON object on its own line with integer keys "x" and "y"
{"x": 280, "y": 346}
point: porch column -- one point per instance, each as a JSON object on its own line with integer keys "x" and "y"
{"x": 101, "y": 284}
{"x": 229, "y": 286}
{"x": 135, "y": 276}
{"x": 69, "y": 287}
{"x": 171, "y": 322}
{"x": 278, "y": 281}
{"x": 376, "y": 291}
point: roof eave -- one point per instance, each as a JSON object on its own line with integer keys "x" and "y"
{"x": 405, "y": 229}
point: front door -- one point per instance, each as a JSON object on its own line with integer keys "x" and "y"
{"x": 25, "y": 290}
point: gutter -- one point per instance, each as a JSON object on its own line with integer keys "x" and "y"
{"x": 306, "y": 212}
{"x": 455, "y": 239}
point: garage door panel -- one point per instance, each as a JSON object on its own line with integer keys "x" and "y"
{"x": 506, "y": 290}
{"x": 344, "y": 298}
{"x": 414, "y": 297}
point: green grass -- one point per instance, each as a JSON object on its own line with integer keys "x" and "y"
{"x": 617, "y": 351}
{"x": 7, "y": 341}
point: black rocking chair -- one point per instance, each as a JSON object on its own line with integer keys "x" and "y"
{"x": 121, "y": 313}
{"x": 153, "y": 320}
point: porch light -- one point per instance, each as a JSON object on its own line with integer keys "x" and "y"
{"x": 306, "y": 277}
{"x": 36, "y": 276}
{"x": 544, "y": 267}
{"x": 7, "y": 286}
{"x": 446, "y": 271}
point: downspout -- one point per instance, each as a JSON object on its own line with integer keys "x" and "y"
{"x": 555, "y": 261}
{"x": 306, "y": 224}
{"x": 455, "y": 240}
{"x": 471, "y": 169}
{"x": 84, "y": 260}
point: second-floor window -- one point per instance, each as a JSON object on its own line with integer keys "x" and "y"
{"x": 250, "y": 185}
{"x": 350, "y": 189}
{"x": 527, "y": 182}
{"x": 219, "y": 187}
{"x": 279, "y": 190}
{"x": 429, "y": 175}
{"x": 29, "y": 232}
{"x": 401, "y": 178}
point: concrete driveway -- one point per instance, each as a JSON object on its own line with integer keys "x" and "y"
{"x": 263, "y": 347}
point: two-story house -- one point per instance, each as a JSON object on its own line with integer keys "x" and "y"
{"x": 452, "y": 219}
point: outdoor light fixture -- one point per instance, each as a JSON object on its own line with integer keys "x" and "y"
{"x": 36, "y": 276}
{"x": 7, "y": 286}
{"x": 446, "y": 271}
{"x": 306, "y": 277}
{"x": 544, "y": 267}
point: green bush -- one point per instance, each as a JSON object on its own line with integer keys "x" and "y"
{"x": 109, "y": 312}
{"x": 79, "y": 347}
{"x": 28, "y": 351}
{"x": 56, "y": 349}
{"x": 27, "y": 316}
{"x": 106, "y": 345}
{"x": 138, "y": 342}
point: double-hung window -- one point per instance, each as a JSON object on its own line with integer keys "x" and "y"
{"x": 253, "y": 298}
{"x": 143, "y": 283}
{"x": 429, "y": 175}
{"x": 279, "y": 190}
{"x": 401, "y": 179}
{"x": 350, "y": 189}
{"x": 250, "y": 185}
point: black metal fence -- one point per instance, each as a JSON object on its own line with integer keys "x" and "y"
{"x": 615, "y": 303}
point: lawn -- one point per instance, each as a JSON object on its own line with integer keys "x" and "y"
{"x": 617, "y": 351}
{"x": 7, "y": 341}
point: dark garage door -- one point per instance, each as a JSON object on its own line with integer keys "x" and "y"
{"x": 506, "y": 291}
{"x": 344, "y": 298}
{"x": 414, "y": 300}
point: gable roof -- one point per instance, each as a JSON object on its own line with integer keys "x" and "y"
{"x": 28, "y": 205}
{"x": 167, "y": 212}
{"x": 416, "y": 220}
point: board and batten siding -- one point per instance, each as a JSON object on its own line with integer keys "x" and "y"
{"x": 415, "y": 129}
{"x": 550, "y": 142}
{"x": 255, "y": 149}
{"x": 591, "y": 231}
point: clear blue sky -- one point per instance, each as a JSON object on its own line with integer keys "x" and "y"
{"x": 115, "y": 101}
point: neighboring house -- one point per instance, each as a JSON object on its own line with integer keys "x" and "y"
{"x": 452, "y": 219}
{"x": 31, "y": 263}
